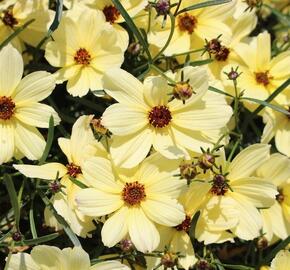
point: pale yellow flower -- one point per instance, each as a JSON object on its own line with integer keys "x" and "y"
{"x": 191, "y": 28}
{"x": 229, "y": 202}
{"x": 281, "y": 261}
{"x": 277, "y": 126}
{"x": 84, "y": 48}
{"x": 44, "y": 257}
{"x": 134, "y": 199}
{"x": 22, "y": 11}
{"x": 77, "y": 149}
{"x": 276, "y": 219}
{"x": 145, "y": 116}
{"x": 261, "y": 75}
{"x": 20, "y": 110}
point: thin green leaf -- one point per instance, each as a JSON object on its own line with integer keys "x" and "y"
{"x": 284, "y": 19}
{"x": 49, "y": 141}
{"x": 200, "y": 62}
{"x": 13, "y": 198}
{"x": 60, "y": 219}
{"x": 15, "y": 33}
{"x": 57, "y": 17}
{"x": 133, "y": 27}
{"x": 203, "y": 5}
{"x": 283, "y": 86}
{"x": 31, "y": 220}
{"x": 3, "y": 237}
{"x": 235, "y": 266}
{"x": 266, "y": 104}
{"x": 274, "y": 251}
{"x": 213, "y": 89}
{"x": 172, "y": 21}
{"x": 77, "y": 182}
{"x": 193, "y": 225}
{"x": 37, "y": 241}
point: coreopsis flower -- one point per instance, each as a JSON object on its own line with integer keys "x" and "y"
{"x": 49, "y": 257}
{"x": 276, "y": 219}
{"x": 77, "y": 149}
{"x": 229, "y": 200}
{"x": 17, "y": 13}
{"x": 134, "y": 199}
{"x": 171, "y": 118}
{"x": 83, "y": 55}
{"x": 191, "y": 28}
{"x": 20, "y": 110}
{"x": 261, "y": 75}
{"x": 277, "y": 126}
{"x": 176, "y": 241}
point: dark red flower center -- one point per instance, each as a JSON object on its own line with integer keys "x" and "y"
{"x": 159, "y": 116}
{"x": 7, "y": 107}
{"x": 133, "y": 193}
{"x": 73, "y": 170}
{"x": 185, "y": 225}
{"x": 280, "y": 196}
{"x": 187, "y": 23}
{"x": 263, "y": 78}
{"x": 111, "y": 13}
{"x": 82, "y": 57}
{"x": 8, "y": 18}
{"x": 219, "y": 185}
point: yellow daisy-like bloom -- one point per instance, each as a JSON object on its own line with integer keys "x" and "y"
{"x": 278, "y": 126}
{"x": 20, "y": 110}
{"x": 144, "y": 115}
{"x": 261, "y": 75}
{"x": 281, "y": 260}
{"x": 77, "y": 149}
{"x": 135, "y": 199}
{"x": 14, "y": 14}
{"x": 191, "y": 28}
{"x": 276, "y": 219}
{"x": 44, "y": 257}
{"x": 230, "y": 201}
{"x": 84, "y": 49}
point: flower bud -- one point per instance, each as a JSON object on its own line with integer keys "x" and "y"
{"x": 202, "y": 265}
{"x": 55, "y": 186}
{"x": 98, "y": 127}
{"x": 182, "y": 91}
{"x": 262, "y": 243}
{"x": 169, "y": 260}
{"x": 206, "y": 161}
{"x": 126, "y": 245}
{"x": 17, "y": 236}
{"x": 187, "y": 170}
{"x": 162, "y": 7}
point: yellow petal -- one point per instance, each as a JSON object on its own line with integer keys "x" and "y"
{"x": 6, "y": 141}
{"x": 281, "y": 260}
{"x": 21, "y": 261}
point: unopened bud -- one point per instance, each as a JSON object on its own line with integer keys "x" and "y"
{"x": 162, "y": 7}
{"x": 126, "y": 245}
{"x": 17, "y": 236}
{"x": 262, "y": 243}
{"x": 202, "y": 265}
{"x": 182, "y": 91}
{"x": 206, "y": 161}
{"x": 134, "y": 48}
{"x": 55, "y": 186}
{"x": 187, "y": 170}
{"x": 98, "y": 127}
{"x": 169, "y": 260}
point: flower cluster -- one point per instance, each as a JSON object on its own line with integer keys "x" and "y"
{"x": 179, "y": 150}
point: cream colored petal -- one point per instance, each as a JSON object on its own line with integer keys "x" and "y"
{"x": 34, "y": 87}
{"x": 247, "y": 54}
{"x": 124, "y": 87}
{"x": 280, "y": 64}
{"x": 11, "y": 66}
{"x": 122, "y": 37}
{"x": 96, "y": 203}
{"x": 264, "y": 52}
{"x": 181, "y": 243}
{"x": 267, "y": 224}
{"x": 250, "y": 220}
{"x": 122, "y": 119}
{"x": 163, "y": 210}
{"x": 47, "y": 257}
{"x": 65, "y": 146}
{"x": 115, "y": 228}
{"x": 109, "y": 265}
{"x": 75, "y": 258}
{"x": 142, "y": 231}
{"x": 282, "y": 140}
{"x": 276, "y": 169}
{"x": 258, "y": 192}
{"x": 67, "y": 72}
{"x": 128, "y": 151}
{"x": 29, "y": 141}
{"x": 281, "y": 260}
{"x": 163, "y": 142}
{"x": 7, "y": 144}
{"x": 270, "y": 126}
{"x": 47, "y": 171}
{"x": 79, "y": 85}
{"x": 36, "y": 114}
{"x": 98, "y": 173}
{"x": 21, "y": 261}
{"x": 248, "y": 160}
{"x": 156, "y": 91}
{"x": 179, "y": 43}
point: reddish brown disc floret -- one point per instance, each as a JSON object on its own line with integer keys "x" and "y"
{"x": 187, "y": 23}
{"x": 219, "y": 186}
{"x": 263, "y": 78}
{"x": 73, "y": 170}
{"x": 8, "y": 18}
{"x": 82, "y": 57}
{"x": 7, "y": 107}
{"x": 185, "y": 225}
{"x": 111, "y": 13}
{"x": 159, "y": 116}
{"x": 133, "y": 193}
